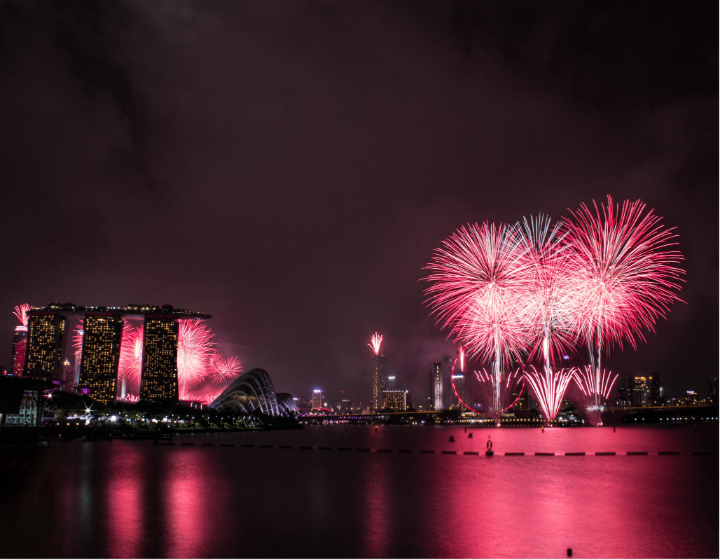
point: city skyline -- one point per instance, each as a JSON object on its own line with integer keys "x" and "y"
{"x": 296, "y": 188}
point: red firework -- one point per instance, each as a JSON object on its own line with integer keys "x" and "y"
{"x": 375, "y": 342}
{"x": 481, "y": 276}
{"x": 625, "y": 272}
{"x": 21, "y": 312}
{"x": 130, "y": 366}
{"x": 195, "y": 349}
{"x": 224, "y": 369}
{"x": 550, "y": 311}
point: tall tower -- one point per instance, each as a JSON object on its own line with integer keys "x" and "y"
{"x": 436, "y": 386}
{"x": 159, "y": 370}
{"x": 100, "y": 355}
{"x": 379, "y": 381}
{"x": 19, "y": 350}
{"x": 46, "y": 336}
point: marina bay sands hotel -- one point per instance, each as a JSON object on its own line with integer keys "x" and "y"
{"x": 48, "y": 347}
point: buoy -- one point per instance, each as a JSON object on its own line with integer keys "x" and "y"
{"x": 451, "y": 438}
{"x": 569, "y": 552}
{"x": 470, "y": 434}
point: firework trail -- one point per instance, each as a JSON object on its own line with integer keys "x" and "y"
{"x": 591, "y": 385}
{"x": 512, "y": 381}
{"x": 21, "y": 312}
{"x": 375, "y": 342}
{"x": 480, "y": 278}
{"x": 195, "y": 349}
{"x": 461, "y": 355}
{"x": 550, "y": 311}
{"x": 131, "y": 354}
{"x": 549, "y": 388}
{"x": 623, "y": 265}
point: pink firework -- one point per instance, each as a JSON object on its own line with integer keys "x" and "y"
{"x": 625, "y": 273}
{"x": 130, "y": 366}
{"x": 77, "y": 341}
{"x": 549, "y": 388}
{"x": 591, "y": 385}
{"x": 375, "y": 342}
{"x": 552, "y": 291}
{"x": 480, "y": 277}
{"x": 461, "y": 355}
{"x": 550, "y": 312}
{"x": 224, "y": 369}
{"x": 21, "y": 312}
{"x": 195, "y": 348}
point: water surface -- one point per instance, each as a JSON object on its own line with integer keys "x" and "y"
{"x": 351, "y": 491}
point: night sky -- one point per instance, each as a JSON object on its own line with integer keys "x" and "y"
{"x": 289, "y": 167}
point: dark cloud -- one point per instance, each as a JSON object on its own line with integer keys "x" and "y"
{"x": 289, "y": 167}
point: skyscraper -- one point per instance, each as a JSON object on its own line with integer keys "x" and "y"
{"x": 19, "y": 350}
{"x": 100, "y": 355}
{"x": 159, "y": 380}
{"x": 317, "y": 399}
{"x": 436, "y": 387}
{"x": 46, "y": 337}
{"x": 379, "y": 381}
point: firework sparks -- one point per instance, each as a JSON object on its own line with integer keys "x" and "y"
{"x": 224, "y": 369}
{"x": 195, "y": 349}
{"x": 549, "y": 388}
{"x": 626, "y": 275}
{"x": 461, "y": 355}
{"x": 591, "y": 385}
{"x": 21, "y": 312}
{"x": 480, "y": 277}
{"x": 550, "y": 311}
{"x": 130, "y": 364}
{"x": 375, "y": 342}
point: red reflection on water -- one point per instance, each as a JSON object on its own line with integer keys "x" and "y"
{"x": 377, "y": 502}
{"x": 125, "y": 512}
{"x": 190, "y": 508}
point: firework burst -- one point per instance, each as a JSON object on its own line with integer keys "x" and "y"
{"x": 625, "y": 273}
{"x": 224, "y": 369}
{"x": 480, "y": 276}
{"x": 130, "y": 365}
{"x": 195, "y": 349}
{"x": 549, "y": 388}
{"x": 375, "y": 342}
{"x": 21, "y": 312}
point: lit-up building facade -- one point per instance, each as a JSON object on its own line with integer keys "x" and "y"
{"x": 19, "y": 350}
{"x": 379, "y": 381}
{"x": 159, "y": 378}
{"x": 437, "y": 401}
{"x": 316, "y": 400}
{"x": 94, "y": 369}
{"x": 645, "y": 390}
{"x": 100, "y": 356}
{"x": 395, "y": 401}
{"x": 46, "y": 338}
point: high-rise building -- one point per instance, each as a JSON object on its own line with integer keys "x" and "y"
{"x": 19, "y": 350}
{"x": 100, "y": 356}
{"x": 46, "y": 337}
{"x": 159, "y": 378}
{"x": 645, "y": 390}
{"x": 436, "y": 387}
{"x": 379, "y": 380}
{"x": 394, "y": 400}
{"x": 316, "y": 400}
